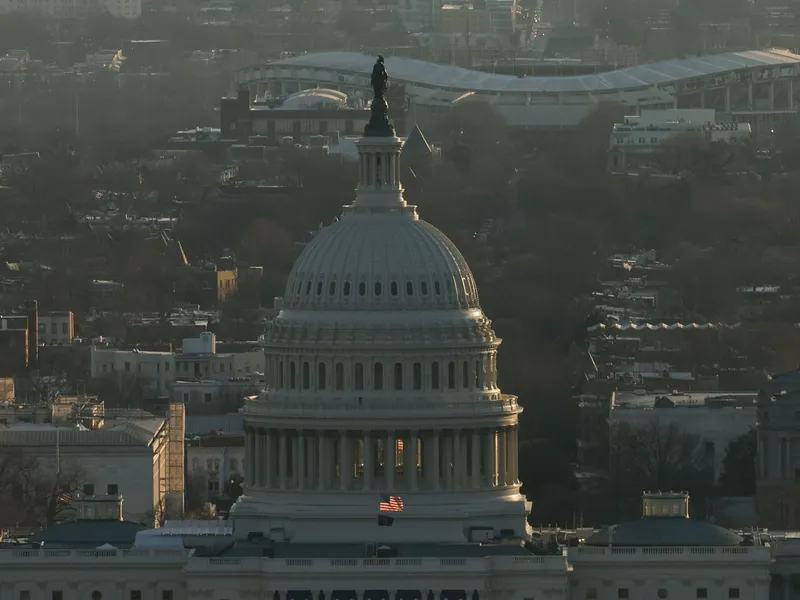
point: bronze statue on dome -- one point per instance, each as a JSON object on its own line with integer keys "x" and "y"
{"x": 379, "y": 124}
{"x": 379, "y": 78}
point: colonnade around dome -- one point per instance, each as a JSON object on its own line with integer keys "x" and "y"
{"x": 435, "y": 460}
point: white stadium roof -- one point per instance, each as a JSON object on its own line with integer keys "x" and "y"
{"x": 446, "y": 76}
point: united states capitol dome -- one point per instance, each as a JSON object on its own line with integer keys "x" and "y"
{"x": 387, "y": 260}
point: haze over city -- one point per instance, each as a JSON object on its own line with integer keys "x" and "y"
{"x": 417, "y": 300}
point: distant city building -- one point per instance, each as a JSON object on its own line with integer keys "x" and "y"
{"x": 56, "y": 327}
{"x": 71, "y": 9}
{"x": 157, "y": 371}
{"x": 715, "y": 419}
{"x": 300, "y": 116}
{"x": 465, "y": 18}
{"x": 778, "y": 455}
{"x": 755, "y": 87}
{"x": 636, "y": 142}
{"x": 214, "y": 460}
{"x": 140, "y": 459}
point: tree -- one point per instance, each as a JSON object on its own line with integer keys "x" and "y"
{"x": 32, "y": 492}
{"x": 657, "y": 457}
{"x": 738, "y": 476}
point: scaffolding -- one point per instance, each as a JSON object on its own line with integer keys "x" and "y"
{"x": 174, "y": 480}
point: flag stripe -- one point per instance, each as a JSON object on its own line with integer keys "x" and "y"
{"x": 391, "y": 504}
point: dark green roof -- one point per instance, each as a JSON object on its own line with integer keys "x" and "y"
{"x": 89, "y": 533}
{"x": 664, "y": 531}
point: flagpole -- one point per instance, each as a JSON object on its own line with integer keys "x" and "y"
{"x": 58, "y": 455}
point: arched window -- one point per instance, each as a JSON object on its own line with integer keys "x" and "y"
{"x": 362, "y": 288}
{"x": 308, "y": 288}
{"x": 359, "y": 376}
{"x": 346, "y": 288}
{"x": 378, "y": 288}
{"x": 377, "y": 376}
{"x": 435, "y": 375}
{"x": 417, "y": 376}
{"x": 437, "y": 288}
{"x": 393, "y": 288}
{"x": 451, "y": 375}
{"x": 465, "y": 375}
{"x": 306, "y": 376}
{"x": 280, "y": 374}
{"x": 423, "y": 288}
{"x": 481, "y": 375}
{"x": 398, "y": 376}
{"x": 332, "y": 288}
{"x": 409, "y": 288}
{"x": 319, "y": 289}
{"x": 321, "y": 376}
{"x": 292, "y": 375}
{"x": 339, "y": 376}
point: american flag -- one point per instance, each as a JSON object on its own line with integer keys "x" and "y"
{"x": 65, "y": 497}
{"x": 390, "y": 504}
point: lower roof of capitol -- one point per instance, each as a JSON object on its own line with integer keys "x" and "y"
{"x": 242, "y": 548}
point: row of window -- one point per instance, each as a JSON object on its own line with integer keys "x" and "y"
{"x": 662, "y": 593}
{"x": 438, "y": 376}
{"x": 97, "y": 595}
{"x": 362, "y": 288}
{"x": 213, "y": 464}
{"x": 112, "y": 489}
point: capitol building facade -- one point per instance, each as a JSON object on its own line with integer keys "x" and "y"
{"x": 381, "y": 386}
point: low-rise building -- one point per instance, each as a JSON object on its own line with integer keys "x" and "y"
{"x": 638, "y": 139}
{"x": 56, "y": 327}
{"x": 156, "y": 372}
{"x": 139, "y": 459}
{"x": 300, "y": 116}
{"x": 213, "y": 462}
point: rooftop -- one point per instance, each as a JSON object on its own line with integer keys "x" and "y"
{"x": 666, "y": 400}
{"x": 346, "y": 551}
{"x": 460, "y": 79}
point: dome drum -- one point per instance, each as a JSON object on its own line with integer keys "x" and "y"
{"x": 428, "y": 375}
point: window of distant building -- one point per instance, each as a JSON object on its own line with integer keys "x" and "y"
{"x": 733, "y": 592}
{"x": 112, "y": 489}
{"x": 591, "y": 594}
{"x": 57, "y": 595}
{"x": 136, "y": 594}
{"x": 88, "y": 489}
{"x": 623, "y": 593}
{"x": 702, "y": 593}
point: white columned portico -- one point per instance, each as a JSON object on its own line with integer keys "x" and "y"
{"x": 501, "y": 457}
{"x": 369, "y": 467}
{"x": 283, "y": 462}
{"x": 301, "y": 459}
{"x": 267, "y": 459}
{"x": 476, "y": 459}
{"x": 410, "y": 460}
{"x": 436, "y": 481}
{"x": 389, "y": 459}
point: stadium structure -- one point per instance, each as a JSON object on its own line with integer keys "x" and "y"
{"x": 757, "y": 86}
